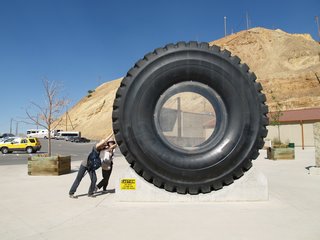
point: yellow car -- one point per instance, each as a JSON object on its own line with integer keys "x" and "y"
{"x": 30, "y": 145}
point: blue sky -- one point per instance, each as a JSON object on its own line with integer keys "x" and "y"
{"x": 82, "y": 43}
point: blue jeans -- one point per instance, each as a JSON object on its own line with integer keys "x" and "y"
{"x": 80, "y": 175}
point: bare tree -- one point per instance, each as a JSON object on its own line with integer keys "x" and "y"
{"x": 49, "y": 113}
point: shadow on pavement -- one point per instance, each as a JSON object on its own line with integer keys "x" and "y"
{"x": 99, "y": 193}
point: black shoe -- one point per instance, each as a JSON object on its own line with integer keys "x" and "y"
{"x": 95, "y": 189}
{"x": 73, "y": 196}
{"x": 91, "y": 195}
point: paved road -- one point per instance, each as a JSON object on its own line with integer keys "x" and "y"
{"x": 78, "y": 151}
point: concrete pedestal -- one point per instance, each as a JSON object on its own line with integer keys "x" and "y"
{"x": 253, "y": 186}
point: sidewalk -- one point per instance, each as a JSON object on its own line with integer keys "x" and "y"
{"x": 38, "y": 207}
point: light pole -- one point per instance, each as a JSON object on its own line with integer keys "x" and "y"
{"x": 17, "y": 125}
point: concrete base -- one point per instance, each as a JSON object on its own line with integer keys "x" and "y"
{"x": 253, "y": 186}
{"x": 314, "y": 170}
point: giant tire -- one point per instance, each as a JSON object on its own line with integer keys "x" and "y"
{"x": 240, "y": 131}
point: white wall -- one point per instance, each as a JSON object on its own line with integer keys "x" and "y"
{"x": 293, "y": 133}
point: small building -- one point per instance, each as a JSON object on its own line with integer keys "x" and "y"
{"x": 296, "y": 126}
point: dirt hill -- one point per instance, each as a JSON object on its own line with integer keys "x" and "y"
{"x": 92, "y": 114}
{"x": 287, "y": 65}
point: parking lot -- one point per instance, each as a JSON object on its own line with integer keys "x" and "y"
{"x": 77, "y": 151}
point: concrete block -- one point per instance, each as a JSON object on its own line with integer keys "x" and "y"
{"x": 314, "y": 170}
{"x": 253, "y": 186}
{"x": 280, "y": 153}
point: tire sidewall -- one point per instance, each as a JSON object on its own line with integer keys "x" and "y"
{"x": 29, "y": 150}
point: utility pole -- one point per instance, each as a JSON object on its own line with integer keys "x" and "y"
{"x": 179, "y": 117}
{"x": 70, "y": 121}
{"x": 11, "y": 125}
{"x": 17, "y": 126}
{"x": 225, "y": 26}
{"x": 67, "y": 120}
{"x": 318, "y": 28}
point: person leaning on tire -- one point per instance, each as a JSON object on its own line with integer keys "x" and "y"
{"x": 106, "y": 156}
{"x": 92, "y": 173}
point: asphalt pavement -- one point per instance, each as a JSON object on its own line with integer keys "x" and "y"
{"x": 77, "y": 151}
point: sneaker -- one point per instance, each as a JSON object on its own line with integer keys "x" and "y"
{"x": 73, "y": 196}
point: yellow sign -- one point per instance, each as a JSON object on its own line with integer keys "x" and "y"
{"x": 128, "y": 184}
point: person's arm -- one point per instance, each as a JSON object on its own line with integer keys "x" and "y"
{"x": 99, "y": 144}
{"x": 107, "y": 138}
{"x": 103, "y": 141}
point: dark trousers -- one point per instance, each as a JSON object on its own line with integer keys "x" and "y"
{"x": 106, "y": 175}
{"x": 81, "y": 173}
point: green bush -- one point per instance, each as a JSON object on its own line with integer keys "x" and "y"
{"x": 90, "y": 93}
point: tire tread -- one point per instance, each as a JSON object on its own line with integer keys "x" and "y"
{"x": 168, "y": 186}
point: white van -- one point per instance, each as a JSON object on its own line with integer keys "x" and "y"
{"x": 38, "y": 133}
{"x": 63, "y": 135}
{"x": 41, "y": 133}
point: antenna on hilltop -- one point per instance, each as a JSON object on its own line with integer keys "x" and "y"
{"x": 317, "y": 22}
{"x": 99, "y": 80}
{"x": 225, "y": 26}
{"x": 247, "y": 20}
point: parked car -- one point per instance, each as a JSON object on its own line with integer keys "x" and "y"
{"x": 8, "y": 139}
{"x": 6, "y": 135}
{"x": 70, "y": 138}
{"x": 30, "y": 145}
{"x": 63, "y": 135}
{"x": 80, "y": 140}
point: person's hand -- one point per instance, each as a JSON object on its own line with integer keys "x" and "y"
{"x": 113, "y": 146}
{"x": 104, "y": 141}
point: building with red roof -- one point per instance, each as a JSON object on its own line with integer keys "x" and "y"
{"x": 296, "y": 126}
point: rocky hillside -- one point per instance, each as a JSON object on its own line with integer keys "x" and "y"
{"x": 287, "y": 65}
